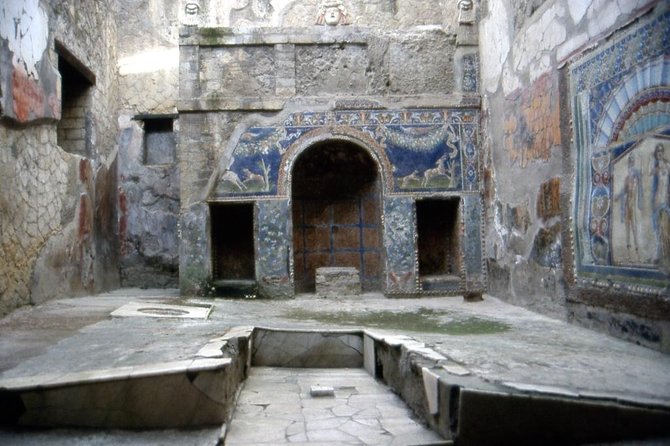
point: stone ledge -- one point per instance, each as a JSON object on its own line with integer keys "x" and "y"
{"x": 231, "y": 104}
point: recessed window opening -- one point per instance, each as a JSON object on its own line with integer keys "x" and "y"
{"x": 74, "y": 129}
{"x": 438, "y": 238}
{"x": 159, "y": 141}
{"x": 232, "y": 227}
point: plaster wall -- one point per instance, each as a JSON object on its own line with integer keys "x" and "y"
{"x": 532, "y": 163}
{"x": 57, "y": 209}
{"x": 148, "y": 190}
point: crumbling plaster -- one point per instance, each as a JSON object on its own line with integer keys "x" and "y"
{"x": 524, "y": 52}
{"x": 58, "y": 210}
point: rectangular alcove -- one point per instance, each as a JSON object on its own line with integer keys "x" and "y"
{"x": 160, "y": 144}
{"x": 439, "y": 252}
{"x": 233, "y": 262}
{"x": 77, "y": 81}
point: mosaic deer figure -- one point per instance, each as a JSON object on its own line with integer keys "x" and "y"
{"x": 439, "y": 170}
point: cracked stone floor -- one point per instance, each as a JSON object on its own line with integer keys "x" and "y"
{"x": 516, "y": 345}
{"x": 276, "y": 407}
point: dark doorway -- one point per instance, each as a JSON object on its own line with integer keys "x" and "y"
{"x": 438, "y": 242}
{"x": 233, "y": 241}
{"x": 336, "y": 213}
{"x": 74, "y": 129}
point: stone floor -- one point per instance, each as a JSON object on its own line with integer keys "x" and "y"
{"x": 495, "y": 341}
{"x": 276, "y": 407}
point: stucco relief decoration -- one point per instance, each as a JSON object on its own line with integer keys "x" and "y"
{"x": 191, "y": 12}
{"x": 622, "y": 133}
{"x": 29, "y": 84}
{"x": 428, "y": 150}
{"x": 332, "y": 13}
{"x": 466, "y": 12}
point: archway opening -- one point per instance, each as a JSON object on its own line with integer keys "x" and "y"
{"x": 336, "y": 194}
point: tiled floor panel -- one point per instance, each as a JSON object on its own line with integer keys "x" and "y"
{"x": 275, "y": 407}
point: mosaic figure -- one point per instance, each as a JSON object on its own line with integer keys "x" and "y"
{"x": 437, "y": 171}
{"x": 659, "y": 171}
{"x": 255, "y": 182}
{"x": 631, "y": 201}
{"x": 413, "y": 180}
{"x": 233, "y": 179}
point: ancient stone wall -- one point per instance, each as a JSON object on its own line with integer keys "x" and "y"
{"x": 388, "y": 14}
{"x": 58, "y": 220}
{"x": 259, "y": 85}
{"x": 539, "y": 181}
{"x": 148, "y": 171}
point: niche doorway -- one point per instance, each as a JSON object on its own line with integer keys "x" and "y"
{"x": 438, "y": 242}
{"x": 336, "y": 206}
{"x": 233, "y": 261}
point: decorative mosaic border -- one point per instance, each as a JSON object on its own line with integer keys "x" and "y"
{"x": 423, "y": 150}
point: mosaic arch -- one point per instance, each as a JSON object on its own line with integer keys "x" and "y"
{"x": 621, "y": 111}
{"x": 350, "y": 135}
{"x": 421, "y": 150}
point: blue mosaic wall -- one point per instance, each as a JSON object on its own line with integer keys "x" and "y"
{"x": 472, "y": 243}
{"x": 470, "y": 81}
{"x": 621, "y": 115}
{"x": 273, "y": 250}
{"x": 423, "y": 150}
{"x": 429, "y": 150}
{"x": 400, "y": 242}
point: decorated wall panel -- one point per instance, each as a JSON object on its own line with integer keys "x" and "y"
{"x": 472, "y": 244}
{"x": 621, "y": 108}
{"x": 399, "y": 240}
{"x": 273, "y": 248}
{"x": 427, "y": 150}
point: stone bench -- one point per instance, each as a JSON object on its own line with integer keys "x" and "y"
{"x": 335, "y": 281}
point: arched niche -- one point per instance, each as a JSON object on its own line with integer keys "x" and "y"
{"x": 344, "y": 135}
{"x": 336, "y": 199}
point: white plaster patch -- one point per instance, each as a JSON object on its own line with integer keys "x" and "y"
{"x": 25, "y": 26}
{"x": 539, "y": 67}
{"x": 577, "y": 9}
{"x": 495, "y": 43}
{"x": 510, "y": 81}
{"x": 628, "y": 6}
{"x": 544, "y": 35}
{"x": 602, "y": 15}
{"x": 149, "y": 61}
{"x": 147, "y": 309}
{"x": 570, "y": 46}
